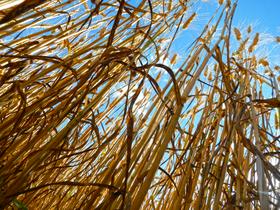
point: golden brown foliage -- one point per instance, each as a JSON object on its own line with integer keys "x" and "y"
{"x": 91, "y": 119}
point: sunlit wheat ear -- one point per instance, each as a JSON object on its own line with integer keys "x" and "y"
{"x": 210, "y": 76}
{"x": 206, "y": 72}
{"x": 189, "y": 21}
{"x": 263, "y": 62}
{"x": 237, "y": 34}
{"x": 242, "y": 46}
{"x": 254, "y": 43}
{"x": 174, "y": 58}
{"x": 249, "y": 29}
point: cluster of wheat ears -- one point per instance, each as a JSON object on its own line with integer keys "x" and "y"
{"x": 92, "y": 117}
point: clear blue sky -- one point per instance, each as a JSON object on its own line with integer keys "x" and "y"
{"x": 264, "y": 13}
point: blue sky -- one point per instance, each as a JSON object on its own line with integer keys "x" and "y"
{"x": 263, "y": 13}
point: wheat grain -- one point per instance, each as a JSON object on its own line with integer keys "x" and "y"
{"x": 254, "y": 43}
{"x": 189, "y": 21}
{"x": 237, "y": 34}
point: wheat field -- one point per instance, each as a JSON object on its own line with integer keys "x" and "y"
{"x": 92, "y": 116}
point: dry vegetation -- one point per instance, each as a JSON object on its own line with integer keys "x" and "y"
{"x": 87, "y": 123}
